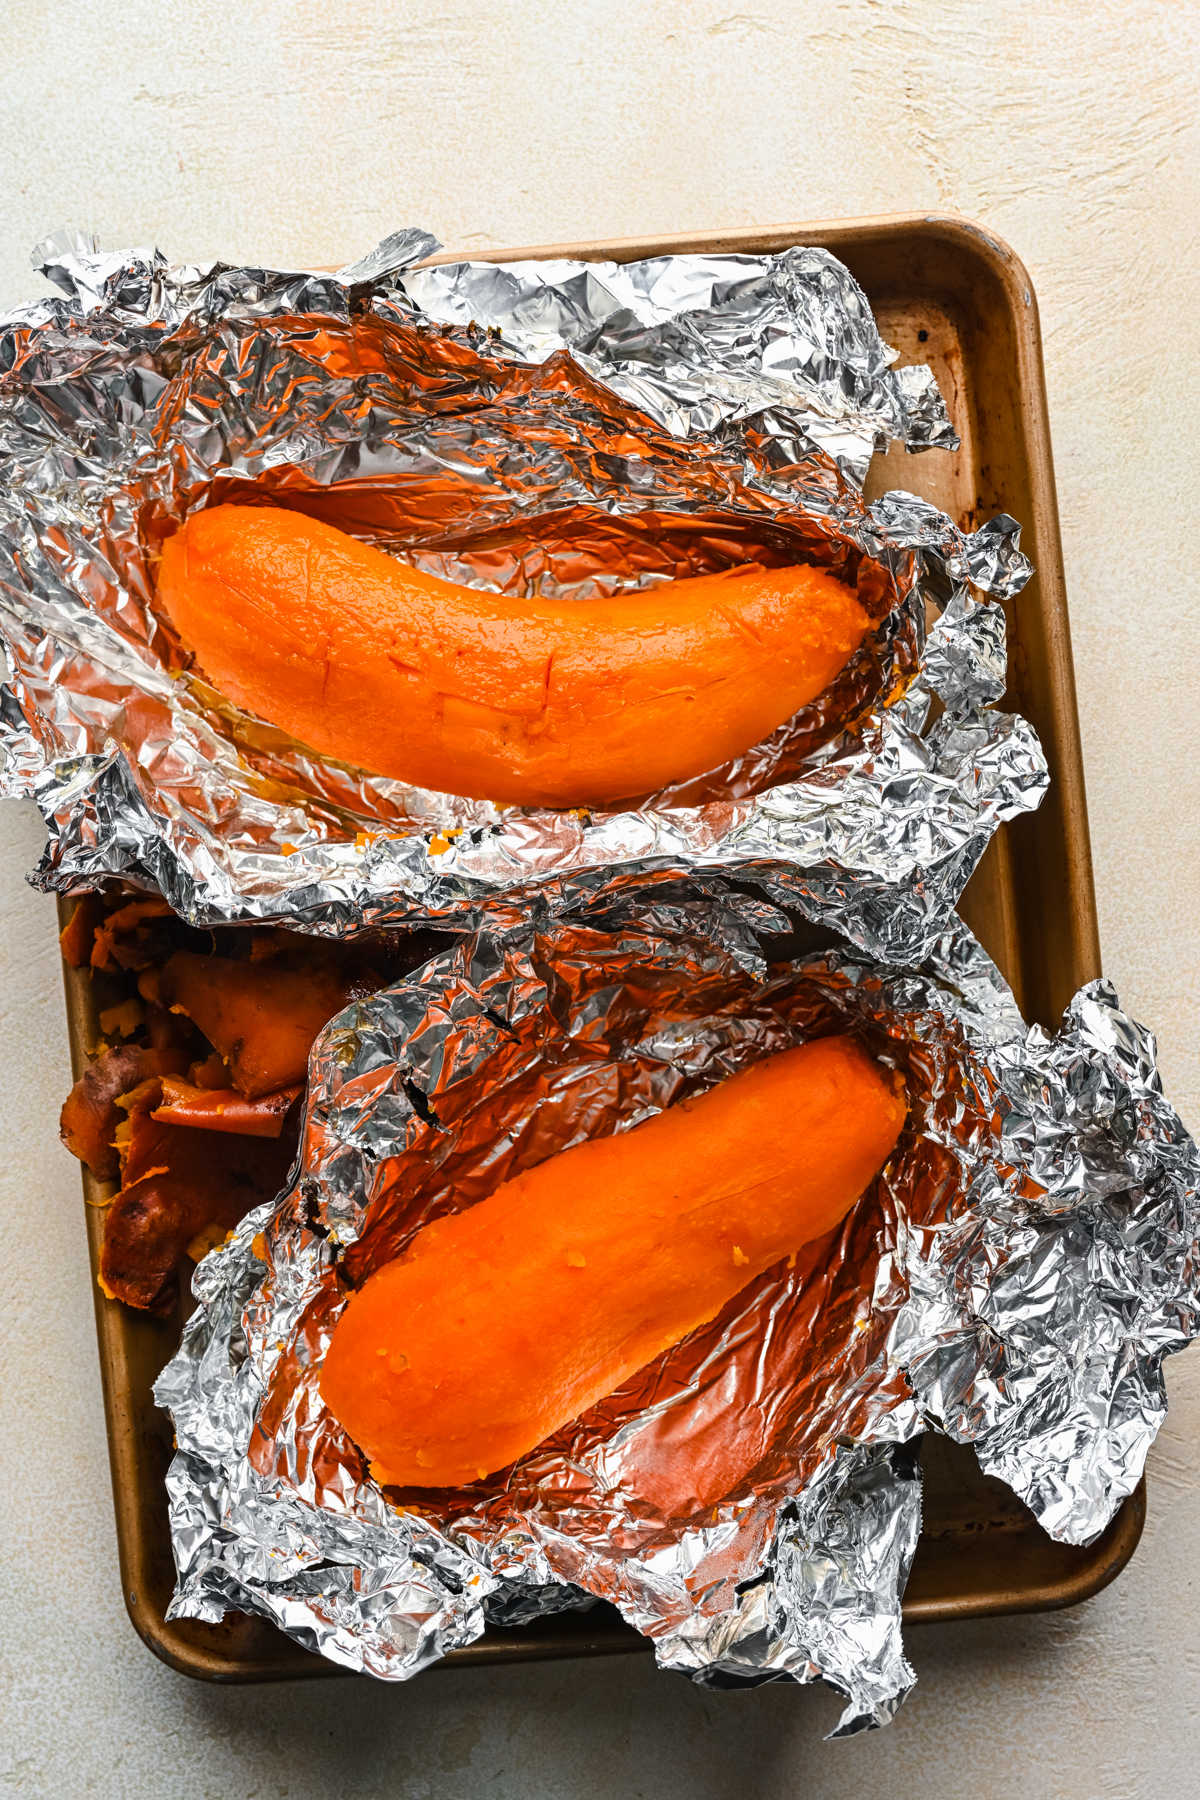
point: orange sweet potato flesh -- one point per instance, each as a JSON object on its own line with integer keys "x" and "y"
{"x": 502, "y": 1323}
{"x": 529, "y": 701}
{"x": 261, "y": 1016}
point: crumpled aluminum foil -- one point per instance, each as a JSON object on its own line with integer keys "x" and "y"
{"x": 1013, "y": 1279}
{"x": 516, "y": 427}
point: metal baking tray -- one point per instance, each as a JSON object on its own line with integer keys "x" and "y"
{"x": 948, "y": 293}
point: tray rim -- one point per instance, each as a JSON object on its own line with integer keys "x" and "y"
{"x": 1117, "y": 1544}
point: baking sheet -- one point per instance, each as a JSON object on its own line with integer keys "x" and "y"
{"x": 946, "y": 294}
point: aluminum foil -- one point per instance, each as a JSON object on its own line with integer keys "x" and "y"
{"x": 1013, "y": 1279}
{"x": 568, "y": 428}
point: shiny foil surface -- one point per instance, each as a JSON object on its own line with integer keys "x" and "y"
{"x": 564, "y": 428}
{"x": 750, "y": 1501}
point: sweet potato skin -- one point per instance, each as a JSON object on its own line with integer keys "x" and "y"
{"x": 502, "y": 1323}
{"x": 164, "y": 1112}
{"x": 262, "y": 1017}
{"x": 90, "y": 1115}
{"x": 176, "y": 1182}
{"x": 531, "y": 701}
{"x": 78, "y": 934}
{"x": 224, "y": 1109}
{"x": 117, "y": 941}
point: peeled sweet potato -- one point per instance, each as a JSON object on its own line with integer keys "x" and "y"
{"x": 532, "y": 701}
{"x": 502, "y": 1323}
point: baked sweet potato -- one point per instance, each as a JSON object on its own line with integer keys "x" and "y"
{"x": 534, "y": 701}
{"x": 502, "y": 1323}
{"x": 120, "y": 941}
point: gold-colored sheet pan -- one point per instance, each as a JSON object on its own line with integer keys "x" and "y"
{"x": 947, "y": 293}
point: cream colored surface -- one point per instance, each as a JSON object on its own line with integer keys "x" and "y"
{"x": 300, "y": 133}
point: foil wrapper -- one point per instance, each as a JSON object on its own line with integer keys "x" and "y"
{"x": 567, "y": 428}
{"x": 750, "y": 1501}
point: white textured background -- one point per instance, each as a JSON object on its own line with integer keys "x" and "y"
{"x": 301, "y": 133}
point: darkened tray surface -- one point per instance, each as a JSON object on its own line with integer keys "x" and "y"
{"x": 947, "y": 293}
